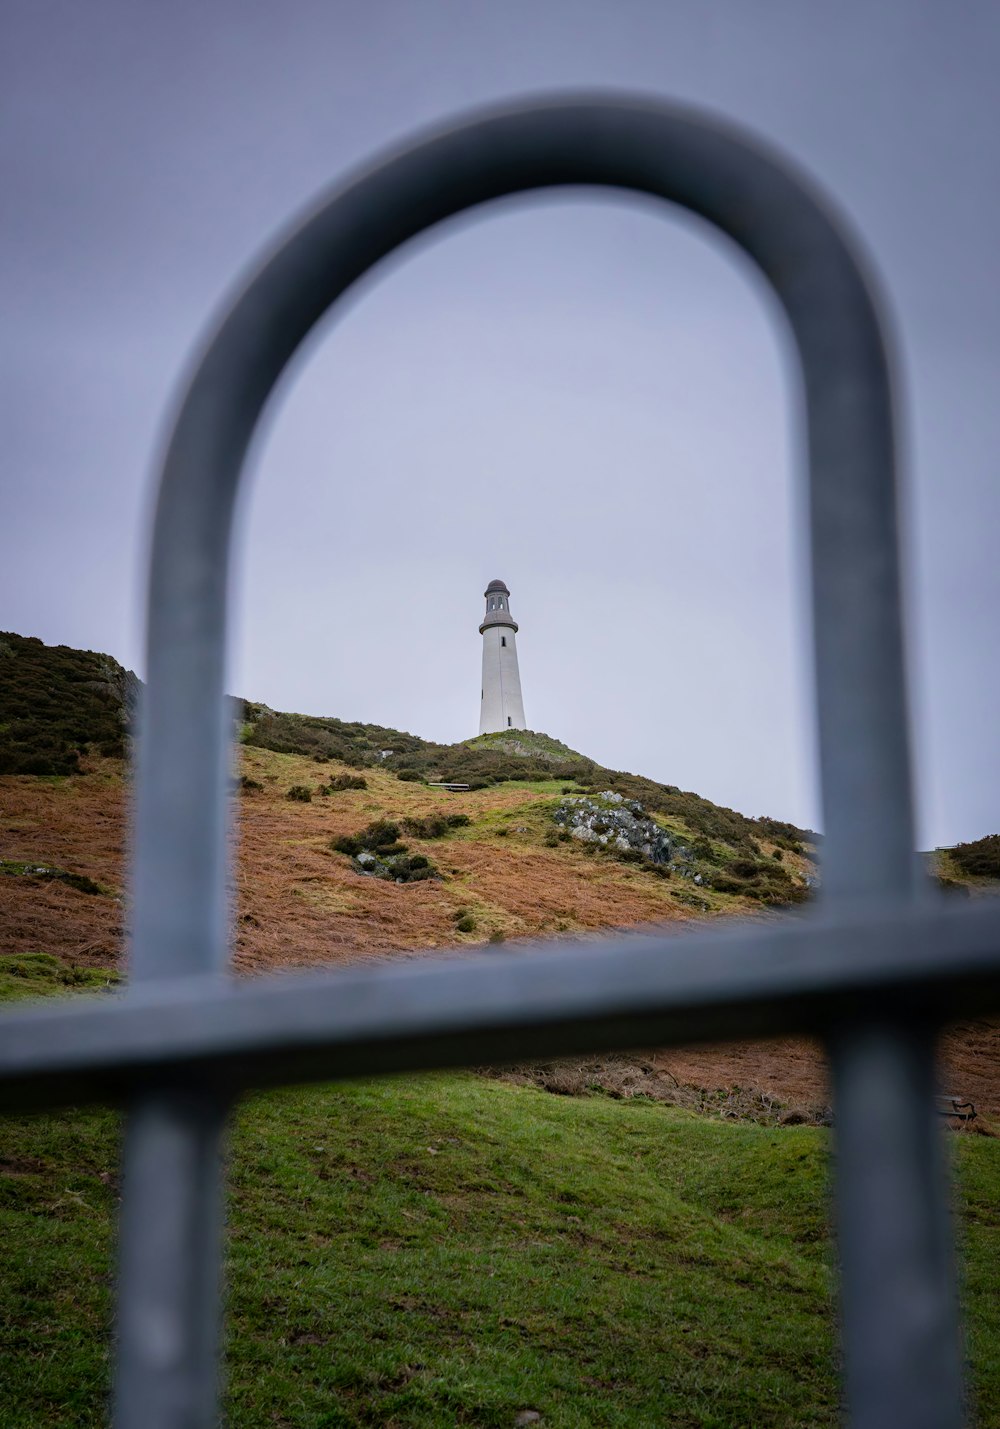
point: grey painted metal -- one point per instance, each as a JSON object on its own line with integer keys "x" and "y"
{"x": 170, "y": 1232}
{"x": 182, "y": 1022}
{"x": 889, "y": 1171}
{"x": 794, "y": 975}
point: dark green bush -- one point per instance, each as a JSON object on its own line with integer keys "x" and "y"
{"x": 57, "y": 703}
{"x": 760, "y": 879}
{"x": 250, "y": 785}
{"x": 347, "y": 781}
{"x": 435, "y": 826}
{"x": 466, "y": 924}
{"x": 411, "y": 868}
{"x": 381, "y": 838}
{"x": 980, "y": 859}
{"x": 299, "y": 794}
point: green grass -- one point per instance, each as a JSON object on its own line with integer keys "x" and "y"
{"x": 31, "y": 975}
{"x": 447, "y": 1250}
{"x": 46, "y": 873}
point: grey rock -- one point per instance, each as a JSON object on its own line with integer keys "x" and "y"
{"x": 622, "y": 824}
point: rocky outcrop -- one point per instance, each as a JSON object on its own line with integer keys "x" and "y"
{"x": 622, "y": 826}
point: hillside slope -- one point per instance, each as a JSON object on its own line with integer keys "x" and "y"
{"x": 57, "y": 704}
{"x": 519, "y": 855}
{"x": 441, "y": 1250}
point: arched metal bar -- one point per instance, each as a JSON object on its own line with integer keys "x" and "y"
{"x": 180, "y": 864}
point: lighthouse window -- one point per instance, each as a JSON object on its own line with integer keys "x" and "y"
{"x": 503, "y": 640}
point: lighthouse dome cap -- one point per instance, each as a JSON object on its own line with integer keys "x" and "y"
{"x": 497, "y": 585}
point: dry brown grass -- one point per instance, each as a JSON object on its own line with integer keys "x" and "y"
{"x": 300, "y": 904}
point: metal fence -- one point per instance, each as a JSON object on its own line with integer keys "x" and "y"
{"x": 874, "y": 967}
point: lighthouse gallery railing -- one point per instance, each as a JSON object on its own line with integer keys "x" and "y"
{"x": 874, "y": 968}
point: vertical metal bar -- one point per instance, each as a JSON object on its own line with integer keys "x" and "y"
{"x": 899, "y": 1326}
{"x": 170, "y": 1227}
{"x": 169, "y": 1263}
{"x": 898, "y": 1307}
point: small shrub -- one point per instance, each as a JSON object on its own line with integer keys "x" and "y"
{"x": 250, "y": 785}
{"x": 466, "y": 924}
{"x": 980, "y": 859}
{"x": 496, "y": 936}
{"x": 777, "y": 855}
{"x": 347, "y": 781}
{"x": 411, "y": 868}
{"x": 299, "y": 794}
{"x": 410, "y": 776}
{"x": 435, "y": 826}
{"x": 744, "y": 868}
{"x": 380, "y": 838}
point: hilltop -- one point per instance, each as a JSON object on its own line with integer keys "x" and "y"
{"x": 58, "y": 705}
{"x": 450, "y": 1248}
{"x": 346, "y": 851}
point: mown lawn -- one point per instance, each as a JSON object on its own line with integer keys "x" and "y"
{"x": 445, "y": 1250}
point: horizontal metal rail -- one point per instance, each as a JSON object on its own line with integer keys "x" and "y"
{"x": 801, "y": 974}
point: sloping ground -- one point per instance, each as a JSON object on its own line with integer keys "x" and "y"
{"x": 437, "y": 1251}
{"x": 57, "y": 704}
{"x": 301, "y": 903}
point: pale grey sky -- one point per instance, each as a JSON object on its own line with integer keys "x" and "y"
{"x": 587, "y": 398}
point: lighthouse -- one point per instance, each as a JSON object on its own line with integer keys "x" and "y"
{"x": 501, "y": 705}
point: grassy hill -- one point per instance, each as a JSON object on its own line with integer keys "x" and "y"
{"x": 58, "y": 704}
{"x": 517, "y": 756}
{"x": 442, "y": 1250}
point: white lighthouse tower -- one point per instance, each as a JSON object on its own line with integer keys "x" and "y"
{"x": 502, "y": 707}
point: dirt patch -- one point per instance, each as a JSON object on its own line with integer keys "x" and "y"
{"x": 783, "y": 1081}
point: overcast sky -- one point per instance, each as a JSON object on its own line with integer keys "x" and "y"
{"x": 585, "y": 397}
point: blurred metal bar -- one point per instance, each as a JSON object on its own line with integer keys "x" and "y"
{"x": 171, "y": 1217}
{"x": 779, "y": 977}
{"x": 890, "y": 1179}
